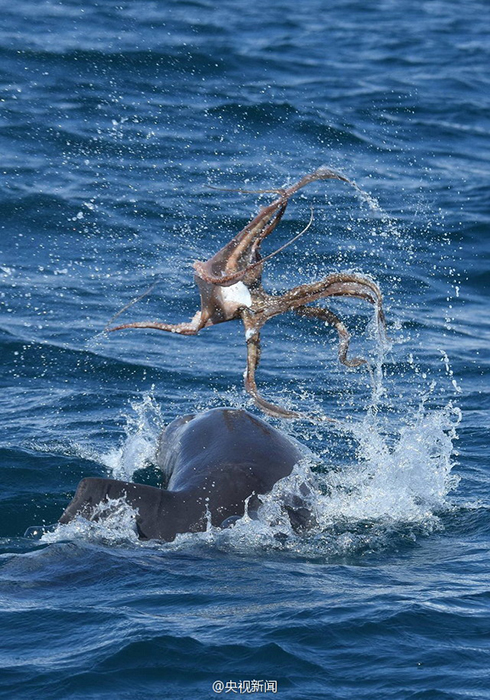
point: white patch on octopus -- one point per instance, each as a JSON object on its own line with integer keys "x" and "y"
{"x": 238, "y": 294}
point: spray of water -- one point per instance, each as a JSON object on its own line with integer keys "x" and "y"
{"x": 114, "y": 523}
{"x": 143, "y": 424}
{"x": 397, "y": 486}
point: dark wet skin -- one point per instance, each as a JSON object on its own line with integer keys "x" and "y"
{"x": 211, "y": 464}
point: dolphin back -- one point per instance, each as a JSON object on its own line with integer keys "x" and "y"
{"x": 211, "y": 463}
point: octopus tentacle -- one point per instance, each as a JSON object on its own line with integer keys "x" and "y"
{"x": 191, "y": 328}
{"x": 252, "y": 335}
{"x": 333, "y": 320}
{"x": 227, "y": 266}
{"x": 336, "y": 285}
{"x": 226, "y": 261}
{"x": 227, "y": 280}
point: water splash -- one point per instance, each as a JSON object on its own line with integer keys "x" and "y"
{"x": 406, "y": 482}
{"x": 389, "y": 228}
{"x": 390, "y": 493}
{"x": 142, "y": 428}
{"x": 114, "y": 524}
{"x": 396, "y": 488}
{"x": 382, "y": 346}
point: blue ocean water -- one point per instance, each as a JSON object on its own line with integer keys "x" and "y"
{"x": 115, "y": 120}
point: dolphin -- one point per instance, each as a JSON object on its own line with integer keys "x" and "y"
{"x": 214, "y": 466}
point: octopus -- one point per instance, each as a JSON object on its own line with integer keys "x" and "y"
{"x": 230, "y": 287}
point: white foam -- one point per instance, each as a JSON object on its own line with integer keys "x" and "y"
{"x": 117, "y": 525}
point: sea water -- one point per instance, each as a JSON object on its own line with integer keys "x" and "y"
{"x": 117, "y": 123}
